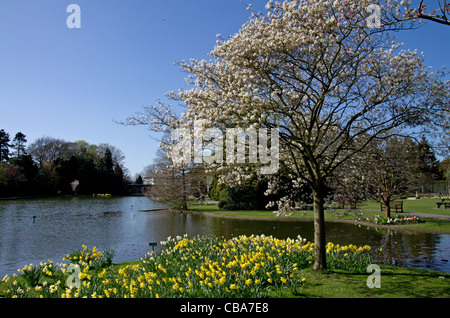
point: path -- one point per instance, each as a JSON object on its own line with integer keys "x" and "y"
{"x": 433, "y": 216}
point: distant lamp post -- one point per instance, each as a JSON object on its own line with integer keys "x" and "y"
{"x": 153, "y": 244}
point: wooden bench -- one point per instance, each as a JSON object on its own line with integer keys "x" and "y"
{"x": 351, "y": 203}
{"x": 445, "y": 203}
{"x": 394, "y": 205}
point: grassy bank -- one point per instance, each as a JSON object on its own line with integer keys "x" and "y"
{"x": 395, "y": 282}
{"x": 367, "y": 211}
{"x": 211, "y": 267}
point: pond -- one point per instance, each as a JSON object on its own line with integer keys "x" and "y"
{"x": 35, "y": 230}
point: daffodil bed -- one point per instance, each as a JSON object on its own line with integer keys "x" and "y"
{"x": 244, "y": 266}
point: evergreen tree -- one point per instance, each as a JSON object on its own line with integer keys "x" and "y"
{"x": 119, "y": 180}
{"x": 106, "y": 172}
{"x": 107, "y": 167}
{"x": 4, "y": 145}
{"x": 428, "y": 165}
{"x": 19, "y": 143}
{"x": 139, "y": 180}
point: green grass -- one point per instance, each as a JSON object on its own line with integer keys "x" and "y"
{"x": 368, "y": 210}
{"x": 418, "y": 206}
{"x": 395, "y": 282}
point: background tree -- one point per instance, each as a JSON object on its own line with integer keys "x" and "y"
{"x": 48, "y": 149}
{"x": 117, "y": 155}
{"x": 18, "y": 144}
{"x": 97, "y": 168}
{"x": 3, "y": 178}
{"x": 106, "y": 173}
{"x": 447, "y": 176}
{"x": 4, "y": 145}
{"x": 29, "y": 170}
{"x": 218, "y": 191}
{"x": 243, "y": 187}
{"x": 139, "y": 180}
{"x": 247, "y": 194}
{"x": 11, "y": 179}
{"x": 428, "y": 165}
{"x": 65, "y": 171}
{"x": 386, "y": 170}
{"x": 444, "y": 166}
{"x": 121, "y": 180}
{"x": 175, "y": 183}
{"x": 170, "y": 184}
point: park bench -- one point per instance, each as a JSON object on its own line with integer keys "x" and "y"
{"x": 394, "y": 205}
{"x": 445, "y": 203}
{"x": 351, "y": 203}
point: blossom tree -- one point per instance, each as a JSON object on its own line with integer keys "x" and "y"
{"x": 314, "y": 70}
{"x": 405, "y": 11}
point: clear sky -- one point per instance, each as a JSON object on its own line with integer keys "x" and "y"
{"x": 74, "y": 84}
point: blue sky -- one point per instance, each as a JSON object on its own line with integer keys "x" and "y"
{"x": 74, "y": 83}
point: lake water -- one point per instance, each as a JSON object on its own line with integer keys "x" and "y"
{"x": 35, "y": 230}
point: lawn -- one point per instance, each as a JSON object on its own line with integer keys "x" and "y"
{"x": 367, "y": 210}
{"x": 395, "y": 282}
{"x": 419, "y": 206}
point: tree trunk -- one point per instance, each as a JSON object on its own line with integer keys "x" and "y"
{"x": 320, "y": 260}
{"x": 387, "y": 210}
{"x": 184, "y": 195}
{"x": 387, "y": 207}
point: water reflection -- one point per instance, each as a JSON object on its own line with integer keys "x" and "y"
{"x": 36, "y": 230}
{"x": 416, "y": 249}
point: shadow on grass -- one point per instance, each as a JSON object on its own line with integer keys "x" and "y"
{"x": 395, "y": 282}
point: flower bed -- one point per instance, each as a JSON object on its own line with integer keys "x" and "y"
{"x": 398, "y": 219}
{"x": 254, "y": 266}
